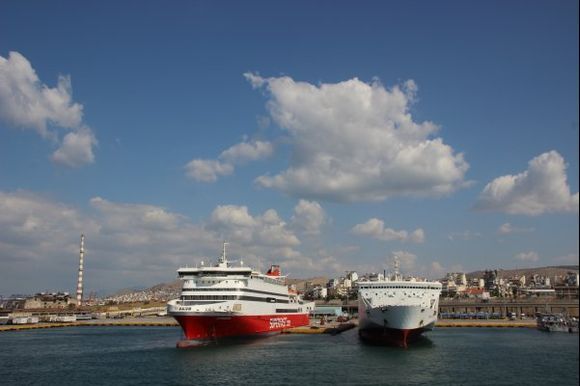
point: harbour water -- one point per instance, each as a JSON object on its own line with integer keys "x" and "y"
{"x": 147, "y": 355}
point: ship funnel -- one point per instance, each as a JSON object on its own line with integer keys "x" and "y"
{"x": 274, "y": 271}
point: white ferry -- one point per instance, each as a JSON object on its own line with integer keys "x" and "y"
{"x": 396, "y": 310}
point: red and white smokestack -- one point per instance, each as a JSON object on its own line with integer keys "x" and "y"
{"x": 80, "y": 281}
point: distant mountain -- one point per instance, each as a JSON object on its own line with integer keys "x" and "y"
{"x": 124, "y": 291}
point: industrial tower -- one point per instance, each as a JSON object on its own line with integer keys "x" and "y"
{"x": 80, "y": 281}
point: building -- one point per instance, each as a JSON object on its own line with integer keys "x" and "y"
{"x": 352, "y": 276}
{"x": 49, "y": 300}
{"x": 326, "y": 311}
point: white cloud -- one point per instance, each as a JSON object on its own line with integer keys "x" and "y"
{"x": 542, "y": 188}
{"x": 208, "y": 170}
{"x": 354, "y": 141}
{"x": 465, "y": 235}
{"x": 237, "y": 224}
{"x": 25, "y": 216}
{"x": 120, "y": 216}
{"x": 128, "y": 244}
{"x": 375, "y": 228}
{"x": 507, "y": 228}
{"x": 527, "y": 256}
{"x": 407, "y": 261}
{"x": 27, "y": 103}
{"x": 308, "y": 217}
{"x": 247, "y": 151}
{"x": 232, "y": 216}
{"x": 76, "y": 148}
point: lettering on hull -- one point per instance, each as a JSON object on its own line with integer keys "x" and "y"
{"x": 276, "y": 323}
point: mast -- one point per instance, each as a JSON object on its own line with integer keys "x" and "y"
{"x": 223, "y": 261}
{"x": 80, "y": 279}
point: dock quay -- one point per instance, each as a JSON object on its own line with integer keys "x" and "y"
{"x": 445, "y": 323}
{"x": 313, "y": 328}
{"x": 331, "y": 328}
{"x": 130, "y": 322}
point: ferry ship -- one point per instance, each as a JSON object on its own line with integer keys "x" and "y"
{"x": 233, "y": 301}
{"x": 396, "y": 310}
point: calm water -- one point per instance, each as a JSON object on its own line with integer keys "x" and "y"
{"x": 147, "y": 355}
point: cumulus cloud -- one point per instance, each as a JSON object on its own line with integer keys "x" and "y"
{"x": 237, "y": 224}
{"x": 129, "y": 244}
{"x": 407, "y": 260}
{"x": 530, "y": 256}
{"x": 507, "y": 228}
{"x": 25, "y": 216}
{"x": 247, "y": 151}
{"x": 355, "y": 141}
{"x": 375, "y": 228}
{"x": 208, "y": 170}
{"x": 308, "y": 217}
{"x": 465, "y": 235}
{"x": 542, "y": 188}
{"x": 76, "y": 148}
{"x": 27, "y": 103}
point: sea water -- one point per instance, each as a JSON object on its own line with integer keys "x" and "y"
{"x": 147, "y": 356}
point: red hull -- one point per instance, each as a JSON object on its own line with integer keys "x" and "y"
{"x": 215, "y": 327}
{"x": 391, "y": 336}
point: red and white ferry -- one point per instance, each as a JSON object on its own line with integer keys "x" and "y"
{"x": 225, "y": 301}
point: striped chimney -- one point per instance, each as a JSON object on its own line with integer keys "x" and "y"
{"x": 80, "y": 281}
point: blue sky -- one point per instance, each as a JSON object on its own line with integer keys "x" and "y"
{"x": 325, "y": 136}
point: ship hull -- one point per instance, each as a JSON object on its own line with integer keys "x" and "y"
{"x": 203, "y": 328}
{"x": 392, "y": 336}
{"x": 394, "y": 325}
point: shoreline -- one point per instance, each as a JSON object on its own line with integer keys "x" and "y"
{"x": 312, "y": 329}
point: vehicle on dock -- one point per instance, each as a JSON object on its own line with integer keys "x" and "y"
{"x": 24, "y": 320}
{"x": 62, "y": 318}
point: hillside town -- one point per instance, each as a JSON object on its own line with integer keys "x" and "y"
{"x": 456, "y": 285}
